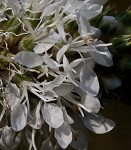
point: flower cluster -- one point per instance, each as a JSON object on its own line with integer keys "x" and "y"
{"x": 48, "y": 50}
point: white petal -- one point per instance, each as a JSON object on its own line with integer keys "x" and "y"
{"x": 91, "y": 103}
{"x": 62, "y": 51}
{"x": 101, "y": 54}
{"x": 67, "y": 118}
{"x": 61, "y": 31}
{"x": 7, "y": 136}
{"x": 19, "y": 117}
{"x": 41, "y": 48}
{"x": 9, "y": 139}
{"x": 90, "y": 10}
{"x": 84, "y": 25}
{"x": 56, "y": 82}
{"x": 63, "y": 135}
{"x": 63, "y": 89}
{"x": 66, "y": 65}
{"x": 52, "y": 115}
{"x": 51, "y": 9}
{"x": 89, "y": 81}
{"x": 50, "y": 62}
{"x": 12, "y": 96}
{"x": 100, "y": 2}
{"x": 98, "y": 124}
{"x": 29, "y": 59}
{"x": 34, "y": 119}
{"x": 76, "y": 62}
{"x": 54, "y": 35}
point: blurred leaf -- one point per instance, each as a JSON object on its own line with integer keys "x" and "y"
{"x": 111, "y": 82}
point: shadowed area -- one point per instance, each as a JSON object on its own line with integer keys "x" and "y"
{"x": 119, "y": 4}
{"x": 120, "y": 137}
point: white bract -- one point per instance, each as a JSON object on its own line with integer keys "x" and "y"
{"x": 48, "y": 53}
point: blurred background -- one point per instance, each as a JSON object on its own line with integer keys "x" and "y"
{"x": 120, "y": 137}
{"x": 117, "y": 101}
{"x": 119, "y": 5}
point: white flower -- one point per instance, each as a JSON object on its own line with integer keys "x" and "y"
{"x": 51, "y": 68}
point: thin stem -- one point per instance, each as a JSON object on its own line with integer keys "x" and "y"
{"x": 2, "y": 113}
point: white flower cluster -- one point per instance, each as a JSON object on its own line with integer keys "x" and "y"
{"x": 49, "y": 72}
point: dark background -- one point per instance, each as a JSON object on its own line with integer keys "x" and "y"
{"x": 119, "y": 5}
{"x": 120, "y": 137}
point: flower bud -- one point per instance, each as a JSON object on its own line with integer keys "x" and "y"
{"x": 108, "y": 24}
